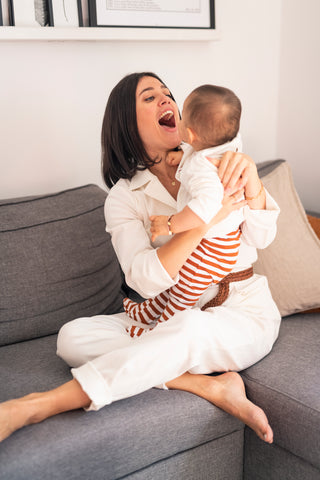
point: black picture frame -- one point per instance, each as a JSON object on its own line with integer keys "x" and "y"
{"x": 21, "y": 14}
{"x": 10, "y": 12}
{"x": 53, "y": 22}
{"x": 1, "y": 16}
{"x": 94, "y": 21}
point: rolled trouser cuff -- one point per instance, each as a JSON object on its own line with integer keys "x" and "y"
{"x": 94, "y": 385}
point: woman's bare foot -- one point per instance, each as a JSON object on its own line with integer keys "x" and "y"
{"x": 227, "y": 392}
{"x": 33, "y": 408}
{"x": 15, "y": 414}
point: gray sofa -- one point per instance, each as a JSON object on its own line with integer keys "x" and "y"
{"x": 57, "y": 263}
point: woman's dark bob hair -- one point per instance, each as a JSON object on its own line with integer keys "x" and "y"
{"x": 123, "y": 152}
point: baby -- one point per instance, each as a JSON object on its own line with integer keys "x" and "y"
{"x": 209, "y": 125}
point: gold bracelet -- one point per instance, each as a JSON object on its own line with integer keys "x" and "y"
{"x": 169, "y": 225}
{"x": 257, "y": 196}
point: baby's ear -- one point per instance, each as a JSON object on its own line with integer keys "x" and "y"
{"x": 193, "y": 137}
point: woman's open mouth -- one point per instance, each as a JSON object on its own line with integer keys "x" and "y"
{"x": 167, "y": 119}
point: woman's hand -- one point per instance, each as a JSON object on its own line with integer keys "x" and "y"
{"x": 236, "y": 171}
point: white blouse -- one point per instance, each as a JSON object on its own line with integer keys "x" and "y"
{"x": 128, "y": 207}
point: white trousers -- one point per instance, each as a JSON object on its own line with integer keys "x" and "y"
{"x": 110, "y": 365}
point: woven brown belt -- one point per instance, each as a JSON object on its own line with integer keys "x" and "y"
{"x": 223, "y": 291}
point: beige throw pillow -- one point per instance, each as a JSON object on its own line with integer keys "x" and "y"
{"x": 292, "y": 262}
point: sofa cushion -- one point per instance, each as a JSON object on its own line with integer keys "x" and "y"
{"x": 286, "y": 385}
{"x": 119, "y": 439}
{"x": 291, "y": 262}
{"x": 270, "y": 462}
{"x": 57, "y": 262}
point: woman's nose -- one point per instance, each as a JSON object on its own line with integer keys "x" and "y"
{"x": 164, "y": 99}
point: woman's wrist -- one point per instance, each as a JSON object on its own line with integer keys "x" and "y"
{"x": 258, "y": 191}
{"x": 255, "y": 195}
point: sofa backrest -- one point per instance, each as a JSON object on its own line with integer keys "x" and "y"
{"x": 57, "y": 263}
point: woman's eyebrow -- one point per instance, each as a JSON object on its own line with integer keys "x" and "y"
{"x": 146, "y": 90}
{"x": 152, "y": 88}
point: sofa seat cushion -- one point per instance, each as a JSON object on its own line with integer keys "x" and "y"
{"x": 286, "y": 385}
{"x": 57, "y": 262}
{"x": 119, "y": 439}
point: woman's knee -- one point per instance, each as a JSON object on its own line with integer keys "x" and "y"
{"x": 185, "y": 324}
{"x": 68, "y": 342}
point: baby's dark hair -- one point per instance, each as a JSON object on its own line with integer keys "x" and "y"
{"x": 214, "y": 113}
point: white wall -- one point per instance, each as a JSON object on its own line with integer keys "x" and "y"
{"x": 53, "y": 94}
{"x": 299, "y": 97}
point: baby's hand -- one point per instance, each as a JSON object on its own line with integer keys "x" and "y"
{"x": 174, "y": 158}
{"x": 159, "y": 226}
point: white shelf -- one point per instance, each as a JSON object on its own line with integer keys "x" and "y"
{"x": 52, "y": 34}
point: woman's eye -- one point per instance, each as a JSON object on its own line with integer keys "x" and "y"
{"x": 149, "y": 99}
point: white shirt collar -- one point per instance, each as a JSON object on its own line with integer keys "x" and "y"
{"x": 141, "y": 178}
{"x": 151, "y": 186}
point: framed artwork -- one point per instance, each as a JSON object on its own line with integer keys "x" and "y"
{"x": 6, "y": 12}
{"x": 65, "y": 13}
{"x": 29, "y": 13}
{"x": 190, "y": 14}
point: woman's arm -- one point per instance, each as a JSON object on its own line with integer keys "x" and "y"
{"x": 261, "y": 213}
{"x": 149, "y": 271}
{"x": 127, "y": 221}
{"x": 260, "y": 226}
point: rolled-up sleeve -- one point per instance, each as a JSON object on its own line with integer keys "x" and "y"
{"x": 139, "y": 261}
{"x": 260, "y": 226}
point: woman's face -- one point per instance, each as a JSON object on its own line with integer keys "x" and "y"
{"x": 157, "y": 117}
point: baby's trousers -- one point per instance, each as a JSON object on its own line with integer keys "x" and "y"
{"x": 111, "y": 365}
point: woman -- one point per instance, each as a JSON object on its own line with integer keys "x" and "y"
{"x": 139, "y": 129}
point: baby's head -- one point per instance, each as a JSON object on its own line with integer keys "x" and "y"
{"x": 210, "y": 117}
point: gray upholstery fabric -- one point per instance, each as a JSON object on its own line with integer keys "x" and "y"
{"x": 286, "y": 385}
{"x": 270, "y": 462}
{"x": 57, "y": 262}
{"x": 264, "y": 168}
{"x": 220, "y": 459}
{"x": 120, "y": 439}
{"x": 31, "y": 366}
